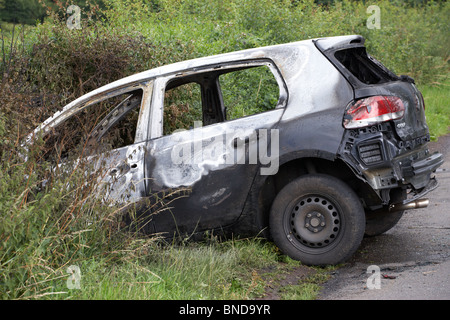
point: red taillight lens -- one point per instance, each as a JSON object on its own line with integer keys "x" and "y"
{"x": 372, "y": 110}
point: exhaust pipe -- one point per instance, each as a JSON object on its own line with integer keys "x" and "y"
{"x": 416, "y": 204}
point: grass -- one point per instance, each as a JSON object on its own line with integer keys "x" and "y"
{"x": 308, "y": 288}
{"x": 437, "y": 108}
{"x": 230, "y": 270}
{"x": 221, "y": 270}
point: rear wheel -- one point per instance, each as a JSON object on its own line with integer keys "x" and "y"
{"x": 380, "y": 221}
{"x": 318, "y": 220}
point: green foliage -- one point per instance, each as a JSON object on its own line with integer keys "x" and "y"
{"x": 21, "y": 11}
{"x": 31, "y": 11}
{"x": 46, "y": 222}
{"x": 249, "y": 91}
{"x": 182, "y": 107}
{"x": 412, "y": 39}
{"x": 437, "y": 109}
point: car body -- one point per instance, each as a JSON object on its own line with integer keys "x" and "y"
{"x": 333, "y": 117}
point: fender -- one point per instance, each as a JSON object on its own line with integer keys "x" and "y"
{"x": 254, "y": 216}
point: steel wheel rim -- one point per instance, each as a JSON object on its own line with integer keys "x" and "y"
{"x": 313, "y": 222}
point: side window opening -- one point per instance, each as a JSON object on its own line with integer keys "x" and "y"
{"x": 182, "y": 107}
{"x": 365, "y": 68}
{"x": 118, "y": 128}
{"x": 249, "y": 91}
{"x": 103, "y": 126}
{"x": 217, "y": 96}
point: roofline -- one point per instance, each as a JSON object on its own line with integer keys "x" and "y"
{"x": 235, "y": 56}
{"x": 246, "y": 54}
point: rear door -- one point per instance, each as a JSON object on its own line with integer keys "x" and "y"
{"x": 218, "y": 129}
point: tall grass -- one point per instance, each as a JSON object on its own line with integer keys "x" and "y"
{"x": 229, "y": 270}
{"x": 47, "y": 223}
{"x": 437, "y": 108}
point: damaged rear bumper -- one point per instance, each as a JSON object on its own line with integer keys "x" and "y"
{"x": 385, "y": 163}
{"x": 415, "y": 201}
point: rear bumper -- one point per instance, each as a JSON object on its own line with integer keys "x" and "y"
{"x": 385, "y": 163}
{"x": 418, "y": 172}
{"x": 432, "y": 184}
{"x": 415, "y": 167}
{"x": 413, "y": 170}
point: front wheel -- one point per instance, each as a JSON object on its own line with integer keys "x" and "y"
{"x": 317, "y": 219}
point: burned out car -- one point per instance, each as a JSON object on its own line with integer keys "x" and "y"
{"x": 312, "y": 144}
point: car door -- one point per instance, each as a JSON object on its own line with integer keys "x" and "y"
{"x": 202, "y": 173}
{"x": 106, "y": 134}
{"x": 123, "y": 166}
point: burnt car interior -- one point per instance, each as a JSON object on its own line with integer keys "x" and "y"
{"x": 118, "y": 128}
{"x": 223, "y": 94}
{"x": 103, "y": 126}
{"x": 362, "y": 66}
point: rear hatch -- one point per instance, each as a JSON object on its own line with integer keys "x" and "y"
{"x": 370, "y": 78}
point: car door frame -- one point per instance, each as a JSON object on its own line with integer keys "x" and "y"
{"x": 133, "y": 155}
{"x": 157, "y": 114}
{"x": 133, "y": 188}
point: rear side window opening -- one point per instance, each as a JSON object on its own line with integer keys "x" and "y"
{"x": 364, "y": 67}
{"x": 216, "y": 96}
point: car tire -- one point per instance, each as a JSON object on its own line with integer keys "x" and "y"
{"x": 318, "y": 220}
{"x": 380, "y": 221}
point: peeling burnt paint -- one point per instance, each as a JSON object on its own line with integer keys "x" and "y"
{"x": 209, "y": 149}
{"x": 124, "y": 179}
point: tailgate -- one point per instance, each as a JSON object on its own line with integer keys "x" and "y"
{"x": 369, "y": 77}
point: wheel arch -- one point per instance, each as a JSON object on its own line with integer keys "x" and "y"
{"x": 317, "y": 219}
{"x": 294, "y": 166}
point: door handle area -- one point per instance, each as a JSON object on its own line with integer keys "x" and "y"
{"x": 241, "y": 142}
{"x": 121, "y": 169}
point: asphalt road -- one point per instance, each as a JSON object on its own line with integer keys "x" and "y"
{"x": 413, "y": 258}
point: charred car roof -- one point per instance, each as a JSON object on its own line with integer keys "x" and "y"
{"x": 282, "y": 55}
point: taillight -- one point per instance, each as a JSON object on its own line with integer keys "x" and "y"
{"x": 369, "y": 111}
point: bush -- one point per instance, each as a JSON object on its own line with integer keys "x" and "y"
{"x": 412, "y": 40}
{"x": 47, "y": 221}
